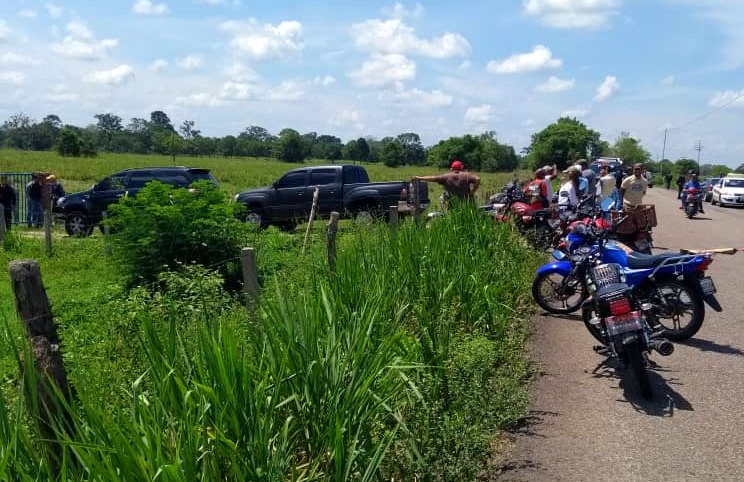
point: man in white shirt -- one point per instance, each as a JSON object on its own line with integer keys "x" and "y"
{"x": 568, "y": 198}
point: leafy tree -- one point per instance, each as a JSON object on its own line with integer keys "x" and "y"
{"x": 351, "y": 151}
{"x": 363, "y": 148}
{"x": 69, "y": 143}
{"x": 393, "y": 154}
{"x": 160, "y": 120}
{"x": 255, "y": 141}
{"x": 229, "y": 146}
{"x": 565, "y": 140}
{"x": 17, "y": 131}
{"x": 630, "y": 150}
{"x": 289, "y": 146}
{"x": 740, "y": 169}
{"x": 684, "y": 165}
{"x": 415, "y": 153}
{"x": 108, "y": 125}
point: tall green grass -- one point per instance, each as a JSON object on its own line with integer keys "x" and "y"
{"x": 403, "y": 363}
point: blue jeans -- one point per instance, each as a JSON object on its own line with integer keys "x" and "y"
{"x": 34, "y": 213}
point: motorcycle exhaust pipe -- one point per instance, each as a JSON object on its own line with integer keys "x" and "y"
{"x": 663, "y": 347}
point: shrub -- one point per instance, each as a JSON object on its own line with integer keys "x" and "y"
{"x": 164, "y": 228}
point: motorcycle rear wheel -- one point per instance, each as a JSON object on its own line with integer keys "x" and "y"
{"x": 637, "y": 363}
{"x": 568, "y": 296}
{"x": 587, "y": 313}
{"x": 677, "y": 300}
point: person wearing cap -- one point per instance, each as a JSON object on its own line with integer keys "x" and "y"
{"x": 459, "y": 183}
{"x": 56, "y": 189}
{"x": 693, "y": 183}
{"x": 634, "y": 188}
{"x": 8, "y": 200}
{"x": 551, "y": 172}
{"x": 568, "y": 195}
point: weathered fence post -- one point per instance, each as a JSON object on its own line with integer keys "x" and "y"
{"x": 48, "y": 232}
{"x": 310, "y": 219}
{"x": 33, "y": 309}
{"x": 393, "y": 215}
{"x": 2, "y": 224}
{"x": 250, "y": 277}
{"x": 331, "y": 240}
{"x": 106, "y": 232}
{"x": 416, "y": 198}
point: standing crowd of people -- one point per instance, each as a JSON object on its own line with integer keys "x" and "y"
{"x": 34, "y": 194}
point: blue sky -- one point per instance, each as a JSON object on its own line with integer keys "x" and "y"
{"x": 381, "y": 68}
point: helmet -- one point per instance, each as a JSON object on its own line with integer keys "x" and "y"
{"x": 457, "y": 165}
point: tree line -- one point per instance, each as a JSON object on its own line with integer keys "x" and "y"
{"x": 561, "y": 143}
{"x": 158, "y": 135}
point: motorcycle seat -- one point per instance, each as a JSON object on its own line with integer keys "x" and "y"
{"x": 638, "y": 260}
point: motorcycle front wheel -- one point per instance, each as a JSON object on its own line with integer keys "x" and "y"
{"x": 558, "y": 294}
{"x": 679, "y": 309}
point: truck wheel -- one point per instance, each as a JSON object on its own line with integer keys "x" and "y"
{"x": 254, "y": 216}
{"x": 78, "y": 225}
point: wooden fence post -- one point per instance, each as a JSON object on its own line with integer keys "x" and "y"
{"x": 48, "y": 232}
{"x": 331, "y": 240}
{"x": 393, "y": 215}
{"x": 106, "y": 232}
{"x": 416, "y": 199}
{"x": 310, "y": 220}
{"x": 2, "y": 224}
{"x": 250, "y": 277}
{"x": 33, "y": 309}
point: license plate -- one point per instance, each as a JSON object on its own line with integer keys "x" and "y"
{"x": 707, "y": 286}
{"x": 558, "y": 254}
{"x": 623, "y": 324}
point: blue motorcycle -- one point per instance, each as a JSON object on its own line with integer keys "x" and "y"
{"x": 673, "y": 284}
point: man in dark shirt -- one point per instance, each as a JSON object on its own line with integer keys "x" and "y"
{"x": 8, "y": 200}
{"x": 458, "y": 183}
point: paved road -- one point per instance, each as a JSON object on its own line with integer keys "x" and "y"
{"x": 585, "y": 424}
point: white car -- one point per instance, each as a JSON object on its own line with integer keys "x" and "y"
{"x": 729, "y": 192}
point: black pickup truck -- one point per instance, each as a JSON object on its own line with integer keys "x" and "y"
{"x": 342, "y": 188}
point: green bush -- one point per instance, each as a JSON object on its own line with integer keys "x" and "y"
{"x": 164, "y": 228}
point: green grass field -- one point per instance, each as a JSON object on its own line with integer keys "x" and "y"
{"x": 234, "y": 174}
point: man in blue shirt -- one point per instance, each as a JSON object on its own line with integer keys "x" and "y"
{"x": 693, "y": 183}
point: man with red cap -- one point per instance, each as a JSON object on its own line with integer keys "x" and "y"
{"x": 458, "y": 183}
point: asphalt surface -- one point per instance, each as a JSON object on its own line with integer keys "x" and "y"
{"x": 586, "y": 423}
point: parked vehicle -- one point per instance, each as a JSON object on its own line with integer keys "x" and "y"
{"x": 83, "y": 210}
{"x": 729, "y": 191}
{"x": 707, "y": 186}
{"x": 616, "y": 317}
{"x": 692, "y": 202}
{"x": 342, "y": 188}
{"x": 673, "y": 283}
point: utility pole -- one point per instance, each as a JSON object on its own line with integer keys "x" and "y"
{"x": 698, "y": 147}
{"x": 663, "y": 149}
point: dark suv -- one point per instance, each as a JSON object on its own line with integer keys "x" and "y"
{"x": 83, "y": 210}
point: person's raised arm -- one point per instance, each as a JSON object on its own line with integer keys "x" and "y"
{"x": 475, "y": 182}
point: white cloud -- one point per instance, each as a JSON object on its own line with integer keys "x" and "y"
{"x": 79, "y": 43}
{"x": 27, "y": 13}
{"x": 465, "y": 65}
{"x": 146, "y": 7}
{"x": 576, "y": 113}
{"x": 61, "y": 93}
{"x": 12, "y": 77}
{"x": 479, "y": 115}
{"x": 668, "y": 80}
{"x": 726, "y": 98}
{"x": 540, "y": 58}
{"x": 325, "y": 81}
{"x": 263, "y": 42}
{"x": 416, "y": 98}
{"x": 115, "y": 76}
{"x": 384, "y": 69}
{"x": 158, "y": 65}
{"x": 12, "y": 58}
{"x": 5, "y": 31}
{"x": 240, "y": 72}
{"x": 554, "y": 84}
{"x": 394, "y": 37}
{"x": 399, "y": 11}
{"x": 201, "y": 99}
{"x": 240, "y": 91}
{"x": 191, "y": 62}
{"x": 287, "y": 91}
{"x": 53, "y": 10}
{"x": 587, "y": 14}
{"x": 607, "y": 89}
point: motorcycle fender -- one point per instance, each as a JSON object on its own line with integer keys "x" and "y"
{"x": 560, "y": 267}
{"x": 712, "y": 301}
